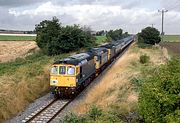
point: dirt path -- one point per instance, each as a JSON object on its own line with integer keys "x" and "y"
{"x": 10, "y": 50}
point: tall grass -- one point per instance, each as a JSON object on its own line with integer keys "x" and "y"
{"x": 117, "y": 90}
{"x": 22, "y": 81}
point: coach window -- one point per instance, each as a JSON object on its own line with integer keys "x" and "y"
{"x": 71, "y": 70}
{"x": 54, "y": 70}
{"x": 62, "y": 70}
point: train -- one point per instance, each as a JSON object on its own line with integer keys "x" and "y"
{"x": 71, "y": 75}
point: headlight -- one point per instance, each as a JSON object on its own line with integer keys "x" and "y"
{"x": 54, "y": 82}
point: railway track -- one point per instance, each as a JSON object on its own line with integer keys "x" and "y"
{"x": 47, "y": 112}
{"x": 52, "y": 108}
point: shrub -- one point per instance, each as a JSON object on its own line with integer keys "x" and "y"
{"x": 95, "y": 113}
{"x": 149, "y": 35}
{"x": 73, "y": 118}
{"x": 144, "y": 59}
{"x": 159, "y": 96}
{"x": 54, "y": 39}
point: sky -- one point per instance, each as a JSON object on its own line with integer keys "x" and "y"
{"x": 130, "y": 15}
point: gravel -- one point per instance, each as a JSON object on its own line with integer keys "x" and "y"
{"x": 31, "y": 108}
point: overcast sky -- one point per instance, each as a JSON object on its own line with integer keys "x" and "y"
{"x": 130, "y": 15}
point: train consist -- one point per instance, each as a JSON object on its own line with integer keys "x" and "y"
{"x": 70, "y": 75}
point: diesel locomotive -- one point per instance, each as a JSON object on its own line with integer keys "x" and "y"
{"x": 70, "y": 75}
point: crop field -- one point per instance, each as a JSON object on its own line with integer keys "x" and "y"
{"x": 172, "y": 47}
{"x": 100, "y": 39}
{"x": 10, "y": 50}
{"x": 172, "y": 38}
{"x": 16, "y": 38}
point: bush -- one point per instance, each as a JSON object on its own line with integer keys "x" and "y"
{"x": 159, "y": 96}
{"x": 73, "y": 118}
{"x": 149, "y": 35}
{"x": 95, "y": 113}
{"x": 54, "y": 39}
{"x": 144, "y": 59}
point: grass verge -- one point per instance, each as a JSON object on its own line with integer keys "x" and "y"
{"x": 23, "y": 81}
{"x": 117, "y": 92}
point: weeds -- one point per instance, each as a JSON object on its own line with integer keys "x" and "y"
{"x": 144, "y": 59}
{"x": 23, "y": 81}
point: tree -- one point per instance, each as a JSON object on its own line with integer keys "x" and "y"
{"x": 115, "y": 34}
{"x": 100, "y": 33}
{"x": 159, "y": 99}
{"x": 47, "y": 31}
{"x": 149, "y": 35}
{"x": 54, "y": 39}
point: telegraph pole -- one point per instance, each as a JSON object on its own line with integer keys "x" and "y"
{"x": 152, "y": 25}
{"x": 162, "y": 11}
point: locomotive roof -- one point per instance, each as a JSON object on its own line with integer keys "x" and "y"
{"x": 98, "y": 50}
{"x": 76, "y": 59}
{"x": 108, "y": 46}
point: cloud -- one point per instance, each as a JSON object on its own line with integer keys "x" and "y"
{"x": 19, "y": 3}
{"x": 132, "y": 15}
{"x": 171, "y": 5}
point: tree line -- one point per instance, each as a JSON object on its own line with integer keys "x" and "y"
{"x": 114, "y": 35}
{"x": 53, "y": 38}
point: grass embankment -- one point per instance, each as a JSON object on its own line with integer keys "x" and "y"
{"x": 23, "y": 81}
{"x": 101, "y": 39}
{"x": 116, "y": 95}
{"x": 17, "y": 38}
{"x": 171, "y": 38}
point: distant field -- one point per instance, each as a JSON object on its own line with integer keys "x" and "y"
{"x": 172, "y": 38}
{"x": 100, "y": 39}
{"x": 16, "y": 38}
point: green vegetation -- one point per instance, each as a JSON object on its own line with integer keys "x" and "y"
{"x": 116, "y": 34}
{"x": 101, "y": 39}
{"x": 96, "y": 115}
{"x": 54, "y": 39}
{"x": 149, "y": 35}
{"x": 171, "y": 38}
{"x": 159, "y": 99}
{"x": 26, "y": 79}
{"x": 17, "y": 38}
{"x": 144, "y": 59}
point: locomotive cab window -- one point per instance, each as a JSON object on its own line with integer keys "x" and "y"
{"x": 54, "y": 70}
{"x": 71, "y": 70}
{"x": 62, "y": 70}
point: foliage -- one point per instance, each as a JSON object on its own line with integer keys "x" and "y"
{"x": 149, "y": 35}
{"x": 73, "y": 118}
{"x": 159, "y": 99}
{"x": 94, "y": 113}
{"x": 54, "y": 39}
{"x": 47, "y": 31}
{"x": 137, "y": 83}
{"x": 115, "y": 34}
{"x": 144, "y": 59}
{"x": 101, "y": 33}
